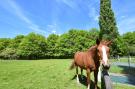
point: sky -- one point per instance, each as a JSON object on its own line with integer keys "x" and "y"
{"x": 58, "y": 16}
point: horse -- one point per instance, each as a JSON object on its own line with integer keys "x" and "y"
{"x": 90, "y": 60}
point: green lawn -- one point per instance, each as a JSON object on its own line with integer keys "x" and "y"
{"x": 40, "y": 74}
{"x": 124, "y": 60}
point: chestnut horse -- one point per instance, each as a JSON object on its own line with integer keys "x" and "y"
{"x": 90, "y": 60}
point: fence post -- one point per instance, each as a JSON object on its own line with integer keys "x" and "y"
{"x": 106, "y": 82}
{"x": 129, "y": 60}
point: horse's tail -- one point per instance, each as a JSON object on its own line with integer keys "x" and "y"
{"x": 72, "y": 65}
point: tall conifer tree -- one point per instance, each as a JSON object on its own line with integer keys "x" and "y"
{"x": 107, "y": 22}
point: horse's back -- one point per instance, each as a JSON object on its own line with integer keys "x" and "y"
{"x": 84, "y": 60}
{"x": 80, "y": 57}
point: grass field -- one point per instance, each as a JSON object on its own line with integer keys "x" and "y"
{"x": 40, "y": 74}
{"x": 124, "y": 60}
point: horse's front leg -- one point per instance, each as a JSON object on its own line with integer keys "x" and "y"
{"x": 88, "y": 78}
{"x": 95, "y": 78}
{"x": 77, "y": 77}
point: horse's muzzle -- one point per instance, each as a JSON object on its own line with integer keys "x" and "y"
{"x": 107, "y": 66}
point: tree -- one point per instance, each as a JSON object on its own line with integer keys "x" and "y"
{"x": 16, "y": 41}
{"x": 4, "y": 42}
{"x": 9, "y": 53}
{"x": 129, "y": 39}
{"x": 76, "y": 40}
{"x": 9, "y": 47}
{"x": 107, "y": 22}
{"x": 33, "y": 46}
{"x": 52, "y": 46}
{"x": 119, "y": 47}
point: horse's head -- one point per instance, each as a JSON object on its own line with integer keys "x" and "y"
{"x": 103, "y": 52}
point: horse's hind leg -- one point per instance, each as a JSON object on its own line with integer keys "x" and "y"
{"x": 81, "y": 73}
{"x": 77, "y": 77}
{"x": 88, "y": 78}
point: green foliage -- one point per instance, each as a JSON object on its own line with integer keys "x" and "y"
{"x": 129, "y": 39}
{"x": 4, "y": 42}
{"x": 107, "y": 22}
{"x": 16, "y": 41}
{"x": 118, "y": 47}
{"x": 76, "y": 40}
{"x": 33, "y": 46}
{"x": 9, "y": 53}
{"x": 9, "y": 47}
{"x": 52, "y": 51}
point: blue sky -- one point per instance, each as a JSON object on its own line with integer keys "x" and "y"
{"x": 58, "y": 16}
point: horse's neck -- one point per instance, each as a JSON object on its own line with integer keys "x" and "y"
{"x": 92, "y": 51}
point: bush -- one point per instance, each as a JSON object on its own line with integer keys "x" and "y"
{"x": 33, "y": 46}
{"x": 9, "y": 53}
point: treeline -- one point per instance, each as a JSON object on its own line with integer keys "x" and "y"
{"x": 35, "y": 46}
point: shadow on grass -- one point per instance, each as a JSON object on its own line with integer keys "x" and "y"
{"x": 128, "y": 70}
{"x": 83, "y": 81}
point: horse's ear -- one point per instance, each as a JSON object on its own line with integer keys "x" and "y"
{"x": 109, "y": 43}
{"x": 97, "y": 41}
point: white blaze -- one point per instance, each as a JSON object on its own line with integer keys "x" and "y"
{"x": 104, "y": 55}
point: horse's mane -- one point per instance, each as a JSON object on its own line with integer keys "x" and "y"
{"x": 93, "y": 48}
{"x": 92, "y": 51}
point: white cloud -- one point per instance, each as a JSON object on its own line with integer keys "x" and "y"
{"x": 54, "y": 31}
{"x": 123, "y": 16}
{"x": 36, "y": 28}
{"x": 53, "y": 28}
{"x": 126, "y": 24}
{"x": 14, "y": 8}
{"x": 96, "y": 18}
{"x": 93, "y": 14}
{"x": 70, "y": 3}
